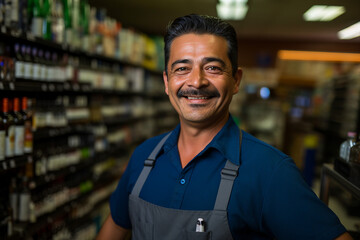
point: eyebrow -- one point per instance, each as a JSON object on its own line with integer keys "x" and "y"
{"x": 178, "y": 62}
{"x": 204, "y": 61}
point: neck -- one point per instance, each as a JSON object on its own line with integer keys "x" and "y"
{"x": 193, "y": 138}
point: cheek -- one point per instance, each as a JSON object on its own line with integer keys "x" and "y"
{"x": 175, "y": 85}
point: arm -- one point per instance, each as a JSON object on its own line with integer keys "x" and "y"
{"x": 344, "y": 236}
{"x": 111, "y": 231}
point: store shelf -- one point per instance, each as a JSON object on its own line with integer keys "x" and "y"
{"x": 21, "y": 85}
{"x": 14, "y": 163}
{"x": 91, "y": 99}
{"x": 30, "y": 39}
{"x": 328, "y": 173}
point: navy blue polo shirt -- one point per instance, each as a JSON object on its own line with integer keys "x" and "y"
{"x": 269, "y": 199}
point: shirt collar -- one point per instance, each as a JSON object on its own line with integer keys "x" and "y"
{"x": 226, "y": 141}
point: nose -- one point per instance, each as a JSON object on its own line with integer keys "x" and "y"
{"x": 197, "y": 78}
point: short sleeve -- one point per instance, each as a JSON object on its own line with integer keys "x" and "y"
{"x": 119, "y": 200}
{"x": 291, "y": 210}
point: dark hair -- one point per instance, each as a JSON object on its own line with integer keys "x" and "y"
{"x": 202, "y": 24}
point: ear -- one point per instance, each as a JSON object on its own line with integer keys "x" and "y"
{"x": 237, "y": 77}
{"x": 165, "y": 78}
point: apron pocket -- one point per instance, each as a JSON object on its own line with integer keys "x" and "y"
{"x": 142, "y": 231}
{"x": 197, "y": 235}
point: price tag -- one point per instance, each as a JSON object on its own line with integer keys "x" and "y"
{"x": 44, "y": 87}
{"x": 86, "y": 88}
{"x": 4, "y": 165}
{"x": 51, "y": 87}
{"x": 12, "y": 163}
{"x": 12, "y": 86}
{"x": 29, "y": 36}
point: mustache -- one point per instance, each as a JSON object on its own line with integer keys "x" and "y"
{"x": 198, "y": 92}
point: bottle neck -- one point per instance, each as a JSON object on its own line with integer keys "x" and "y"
{"x": 5, "y": 106}
{"x": 16, "y": 105}
{"x": 24, "y": 104}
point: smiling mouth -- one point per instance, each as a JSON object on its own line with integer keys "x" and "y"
{"x": 196, "y": 98}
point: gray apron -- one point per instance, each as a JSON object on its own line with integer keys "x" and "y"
{"x": 150, "y": 221}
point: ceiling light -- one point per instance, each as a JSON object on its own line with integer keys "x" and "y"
{"x": 350, "y": 32}
{"x": 232, "y": 9}
{"x": 332, "y": 12}
{"x": 323, "y": 13}
{"x": 318, "y": 56}
{"x": 233, "y": 1}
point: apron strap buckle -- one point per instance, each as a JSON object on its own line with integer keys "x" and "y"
{"x": 229, "y": 174}
{"x": 149, "y": 162}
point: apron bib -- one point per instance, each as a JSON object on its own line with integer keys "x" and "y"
{"x": 153, "y": 222}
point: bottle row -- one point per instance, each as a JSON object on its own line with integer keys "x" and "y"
{"x": 33, "y": 63}
{"x": 16, "y": 133}
{"x": 27, "y": 211}
{"x": 75, "y": 24}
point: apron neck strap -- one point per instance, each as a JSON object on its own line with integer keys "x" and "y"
{"x": 228, "y": 175}
{"x": 148, "y": 165}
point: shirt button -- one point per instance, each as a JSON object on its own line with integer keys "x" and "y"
{"x": 182, "y": 181}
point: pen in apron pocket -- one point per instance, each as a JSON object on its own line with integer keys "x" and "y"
{"x": 200, "y": 225}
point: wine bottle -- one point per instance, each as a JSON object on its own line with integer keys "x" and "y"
{"x": 47, "y": 21}
{"x": 37, "y": 19}
{"x": 28, "y": 131}
{"x": 24, "y": 201}
{"x": 68, "y": 22}
{"x": 8, "y": 121}
{"x": 23, "y": 16}
{"x": 2, "y": 139}
{"x": 19, "y": 61}
{"x": 36, "y": 64}
{"x": 7, "y": 14}
{"x": 28, "y": 63}
{"x": 2, "y": 9}
{"x": 14, "y": 21}
{"x": 14, "y": 199}
{"x": 19, "y": 128}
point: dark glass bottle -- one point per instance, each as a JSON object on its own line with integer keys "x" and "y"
{"x": 2, "y": 139}
{"x": 8, "y": 121}
{"x": 19, "y": 61}
{"x": 19, "y": 128}
{"x": 14, "y": 198}
{"x": 28, "y": 130}
{"x": 24, "y": 201}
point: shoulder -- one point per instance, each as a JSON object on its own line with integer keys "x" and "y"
{"x": 148, "y": 145}
{"x": 254, "y": 149}
{"x": 143, "y": 150}
{"x": 262, "y": 159}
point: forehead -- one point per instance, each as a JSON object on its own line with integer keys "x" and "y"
{"x": 196, "y": 45}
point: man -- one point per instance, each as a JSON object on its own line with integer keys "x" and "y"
{"x": 211, "y": 180}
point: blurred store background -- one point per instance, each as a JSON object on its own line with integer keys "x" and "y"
{"x": 81, "y": 85}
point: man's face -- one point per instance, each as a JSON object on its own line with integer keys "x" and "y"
{"x": 200, "y": 83}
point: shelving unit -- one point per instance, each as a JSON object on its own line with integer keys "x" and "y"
{"x": 83, "y": 136}
{"x": 342, "y": 112}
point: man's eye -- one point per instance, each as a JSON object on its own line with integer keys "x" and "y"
{"x": 181, "y": 69}
{"x": 213, "y": 69}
